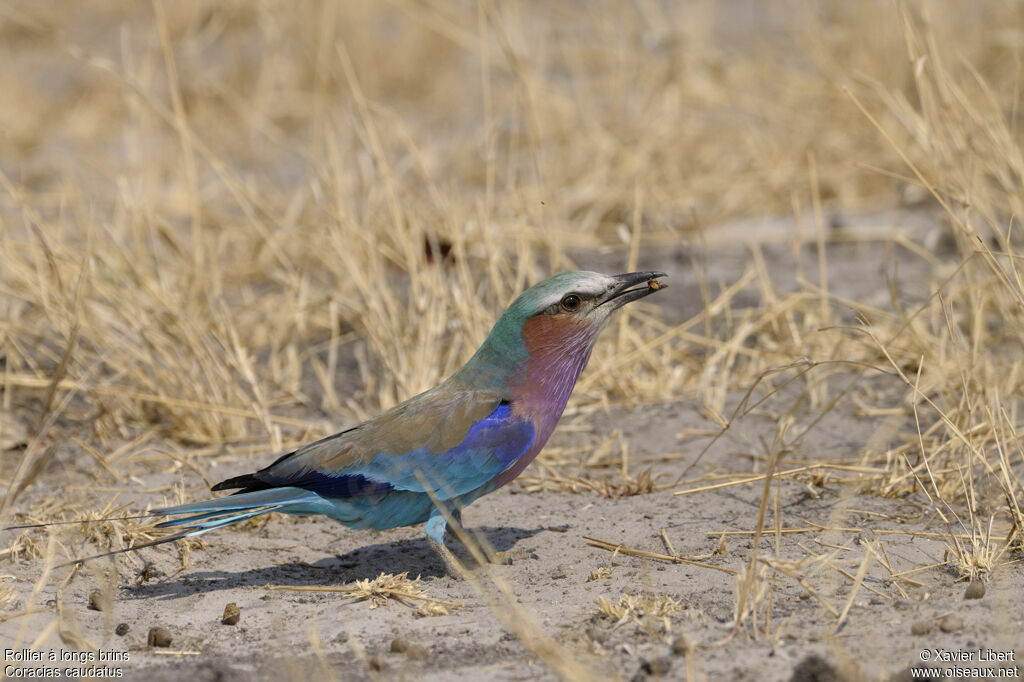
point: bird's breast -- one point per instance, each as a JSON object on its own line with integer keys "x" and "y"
{"x": 541, "y": 397}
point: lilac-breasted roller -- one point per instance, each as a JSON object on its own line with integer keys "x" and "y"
{"x": 468, "y": 436}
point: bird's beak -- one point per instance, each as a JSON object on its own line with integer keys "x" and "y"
{"x": 631, "y": 286}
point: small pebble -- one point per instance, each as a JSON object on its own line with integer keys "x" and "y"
{"x": 658, "y": 666}
{"x": 341, "y": 638}
{"x": 377, "y": 663}
{"x": 921, "y": 627}
{"x": 417, "y": 652}
{"x": 399, "y": 645}
{"x": 96, "y": 600}
{"x": 159, "y": 637}
{"x": 231, "y": 614}
{"x": 680, "y": 645}
{"x": 976, "y": 590}
{"x": 149, "y": 572}
{"x": 951, "y": 623}
{"x": 121, "y": 630}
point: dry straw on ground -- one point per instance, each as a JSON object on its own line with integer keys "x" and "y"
{"x": 384, "y": 588}
{"x": 228, "y": 228}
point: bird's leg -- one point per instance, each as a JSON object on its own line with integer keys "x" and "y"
{"x": 491, "y": 555}
{"x": 451, "y": 519}
{"x": 455, "y": 522}
{"x": 435, "y": 530}
{"x": 436, "y": 526}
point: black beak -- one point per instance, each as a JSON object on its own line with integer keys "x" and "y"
{"x": 631, "y": 286}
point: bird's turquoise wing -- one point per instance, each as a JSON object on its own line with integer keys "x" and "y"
{"x": 440, "y": 456}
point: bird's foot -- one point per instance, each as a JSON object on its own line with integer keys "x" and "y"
{"x": 506, "y": 558}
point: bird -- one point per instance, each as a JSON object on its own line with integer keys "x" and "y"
{"x": 427, "y": 458}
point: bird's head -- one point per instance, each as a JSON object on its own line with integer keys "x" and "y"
{"x": 560, "y": 317}
{"x": 582, "y": 299}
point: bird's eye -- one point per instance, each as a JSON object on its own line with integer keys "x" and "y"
{"x": 571, "y": 303}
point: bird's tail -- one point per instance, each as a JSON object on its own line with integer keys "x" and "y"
{"x": 206, "y": 515}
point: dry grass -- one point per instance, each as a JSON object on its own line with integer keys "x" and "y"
{"x": 227, "y": 228}
{"x": 634, "y": 607}
{"x": 385, "y": 588}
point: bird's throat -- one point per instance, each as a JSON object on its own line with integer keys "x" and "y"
{"x": 558, "y": 351}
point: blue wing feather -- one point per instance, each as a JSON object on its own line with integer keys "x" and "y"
{"x": 491, "y": 446}
{"x": 382, "y": 491}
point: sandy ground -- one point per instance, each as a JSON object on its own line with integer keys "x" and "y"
{"x": 548, "y": 565}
